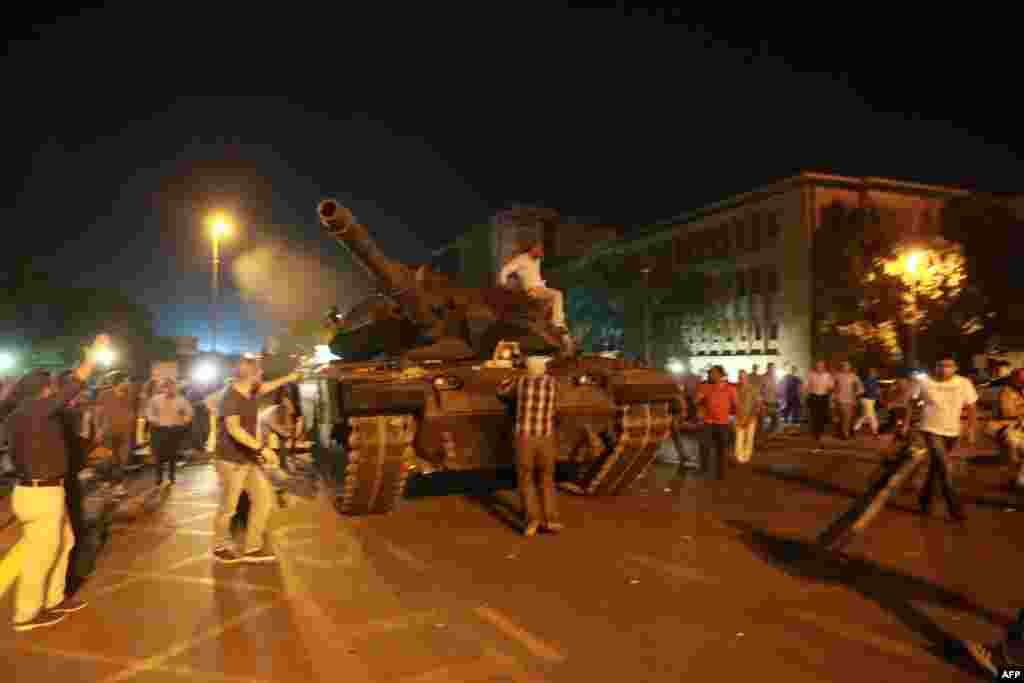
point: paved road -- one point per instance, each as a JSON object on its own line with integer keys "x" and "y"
{"x": 681, "y": 579}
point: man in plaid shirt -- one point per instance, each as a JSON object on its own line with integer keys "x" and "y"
{"x": 536, "y": 446}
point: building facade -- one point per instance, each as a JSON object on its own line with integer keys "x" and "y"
{"x": 752, "y": 256}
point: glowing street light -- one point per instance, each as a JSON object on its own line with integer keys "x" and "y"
{"x": 220, "y": 225}
{"x": 106, "y": 357}
{"x": 7, "y": 361}
{"x": 205, "y": 373}
{"x": 911, "y": 261}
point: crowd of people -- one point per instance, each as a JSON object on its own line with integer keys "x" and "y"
{"x": 53, "y": 433}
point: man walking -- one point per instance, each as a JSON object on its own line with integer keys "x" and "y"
{"x": 1009, "y": 421}
{"x": 793, "y": 396}
{"x": 848, "y": 388}
{"x": 118, "y": 410}
{"x": 536, "y": 444}
{"x": 771, "y": 391}
{"x": 527, "y": 267}
{"x": 748, "y": 416}
{"x": 818, "y": 389}
{"x": 239, "y": 459}
{"x": 716, "y": 400}
{"x": 41, "y": 456}
{"x": 868, "y": 402}
{"x": 169, "y": 416}
{"x": 946, "y": 396}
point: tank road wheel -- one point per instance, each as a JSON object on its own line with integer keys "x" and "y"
{"x": 380, "y": 456}
{"x": 640, "y": 430}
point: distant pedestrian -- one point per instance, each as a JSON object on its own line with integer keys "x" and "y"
{"x": 117, "y": 426}
{"x": 748, "y": 415}
{"x": 1008, "y": 425}
{"x": 771, "y": 395}
{"x": 848, "y": 389}
{"x": 170, "y": 418}
{"x": 818, "y": 389}
{"x": 868, "y": 402}
{"x": 716, "y": 401}
{"x": 536, "y": 397}
{"x": 793, "y": 396}
{"x": 41, "y": 457}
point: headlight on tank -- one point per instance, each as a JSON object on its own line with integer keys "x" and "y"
{"x": 447, "y": 383}
{"x": 587, "y": 379}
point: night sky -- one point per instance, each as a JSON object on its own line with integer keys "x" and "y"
{"x": 426, "y": 121}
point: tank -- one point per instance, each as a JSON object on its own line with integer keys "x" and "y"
{"x": 415, "y": 391}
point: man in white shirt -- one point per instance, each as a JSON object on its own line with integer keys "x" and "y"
{"x": 946, "y": 396}
{"x": 818, "y": 388}
{"x": 527, "y": 267}
{"x": 169, "y": 416}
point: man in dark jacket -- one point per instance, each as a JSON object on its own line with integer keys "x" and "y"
{"x": 42, "y": 458}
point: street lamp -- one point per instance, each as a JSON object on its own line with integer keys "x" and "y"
{"x": 911, "y": 262}
{"x": 220, "y": 227}
{"x": 106, "y": 357}
{"x": 647, "y": 314}
{"x": 7, "y": 361}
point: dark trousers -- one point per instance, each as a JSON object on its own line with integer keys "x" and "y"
{"x": 939, "y": 475}
{"x": 818, "y": 407}
{"x": 715, "y": 443}
{"x": 166, "y": 444}
{"x": 791, "y": 413}
{"x": 76, "y": 513}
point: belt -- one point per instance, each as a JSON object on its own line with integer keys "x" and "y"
{"x": 56, "y": 481}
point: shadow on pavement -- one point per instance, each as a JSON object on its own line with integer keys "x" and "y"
{"x": 892, "y": 590}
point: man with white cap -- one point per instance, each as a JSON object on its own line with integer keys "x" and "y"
{"x": 536, "y": 396}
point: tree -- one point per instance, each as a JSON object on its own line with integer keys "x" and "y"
{"x": 878, "y": 288}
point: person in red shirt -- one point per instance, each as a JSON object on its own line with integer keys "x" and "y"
{"x": 716, "y": 401}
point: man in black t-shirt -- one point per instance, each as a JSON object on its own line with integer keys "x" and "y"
{"x": 240, "y": 454}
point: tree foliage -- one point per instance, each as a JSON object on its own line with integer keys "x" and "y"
{"x": 872, "y": 305}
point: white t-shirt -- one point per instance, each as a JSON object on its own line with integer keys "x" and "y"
{"x": 943, "y": 403}
{"x": 526, "y": 267}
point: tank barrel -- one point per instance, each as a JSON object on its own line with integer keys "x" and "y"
{"x": 397, "y": 280}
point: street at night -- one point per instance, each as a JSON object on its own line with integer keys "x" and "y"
{"x": 681, "y": 578}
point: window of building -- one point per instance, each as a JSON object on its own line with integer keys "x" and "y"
{"x": 742, "y": 283}
{"x": 757, "y": 331}
{"x": 773, "y": 331}
{"x": 755, "y": 283}
{"x": 770, "y": 228}
{"x": 770, "y": 279}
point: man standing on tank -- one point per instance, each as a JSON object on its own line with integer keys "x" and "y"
{"x": 536, "y": 444}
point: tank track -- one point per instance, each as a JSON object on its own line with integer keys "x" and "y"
{"x": 640, "y": 430}
{"x": 380, "y": 456}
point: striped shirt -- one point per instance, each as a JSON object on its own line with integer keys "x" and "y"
{"x": 536, "y": 400}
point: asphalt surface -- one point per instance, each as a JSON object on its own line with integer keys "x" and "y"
{"x": 680, "y": 579}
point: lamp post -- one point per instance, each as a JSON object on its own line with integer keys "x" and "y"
{"x": 220, "y": 226}
{"x": 647, "y": 315}
{"x": 912, "y": 261}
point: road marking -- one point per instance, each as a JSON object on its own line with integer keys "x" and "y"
{"x": 532, "y": 643}
{"x": 132, "y": 580}
{"x": 157, "y": 661}
{"x": 492, "y": 664}
{"x": 126, "y": 662}
{"x": 889, "y": 646}
{"x": 190, "y": 503}
{"x": 676, "y": 571}
{"x": 405, "y": 556}
{"x": 196, "y": 518}
{"x": 199, "y": 580}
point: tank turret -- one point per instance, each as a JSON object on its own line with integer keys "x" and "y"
{"x": 433, "y": 318}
